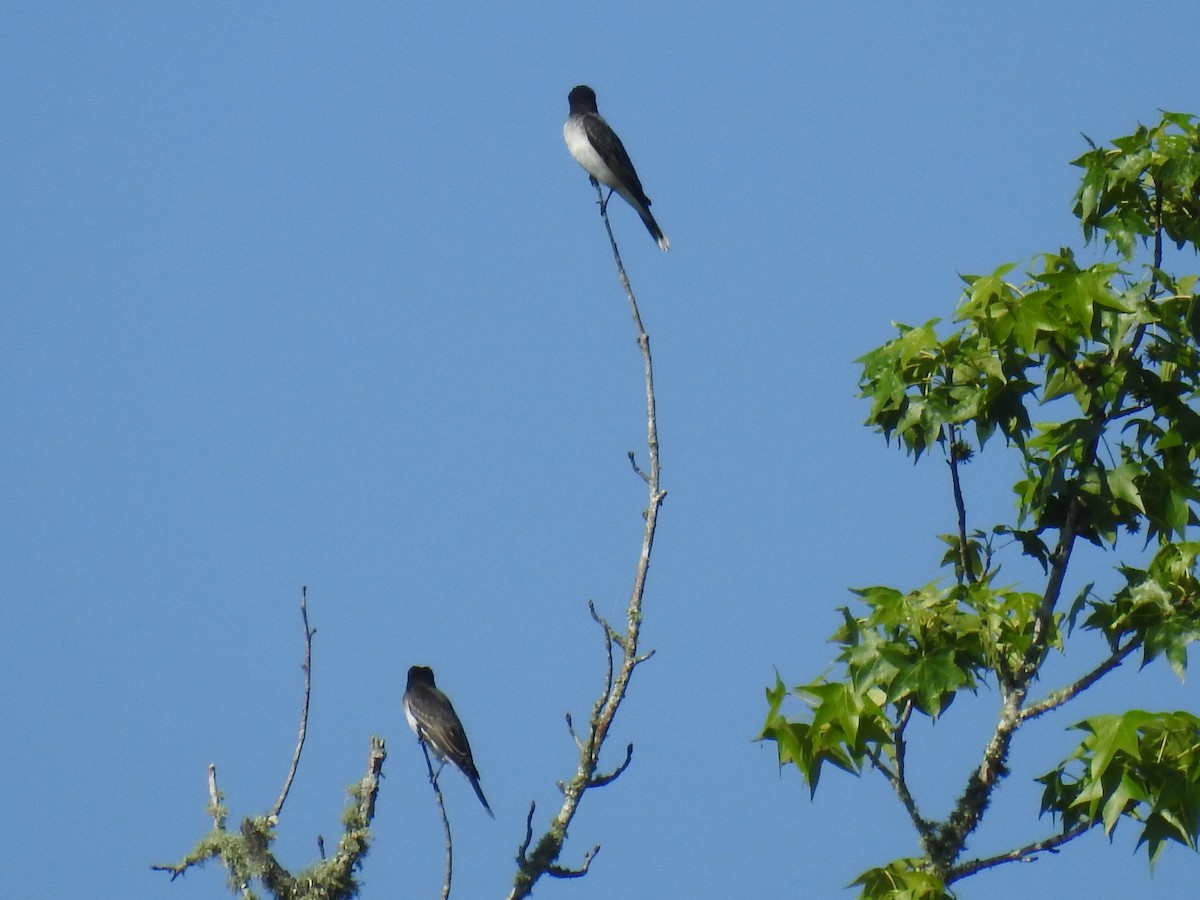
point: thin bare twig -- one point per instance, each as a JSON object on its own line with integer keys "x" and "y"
{"x": 1058, "y": 698}
{"x": 524, "y": 848}
{"x": 542, "y": 859}
{"x": 308, "y": 636}
{"x": 897, "y": 777}
{"x": 1022, "y": 854}
{"x": 602, "y": 780}
{"x": 901, "y": 783}
{"x": 437, "y": 793}
{"x": 610, "y": 638}
{"x": 560, "y": 872}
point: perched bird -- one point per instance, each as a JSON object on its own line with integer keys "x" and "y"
{"x": 597, "y": 148}
{"x": 435, "y": 723}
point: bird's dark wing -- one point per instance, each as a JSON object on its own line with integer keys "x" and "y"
{"x": 441, "y": 727}
{"x": 612, "y": 151}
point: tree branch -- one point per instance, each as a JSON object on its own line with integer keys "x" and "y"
{"x": 437, "y": 793}
{"x": 247, "y": 854}
{"x": 217, "y": 811}
{"x": 898, "y": 779}
{"x": 952, "y": 836}
{"x": 561, "y": 872}
{"x": 1023, "y": 854}
{"x": 924, "y": 828}
{"x": 1058, "y": 571}
{"x": 1058, "y": 698}
{"x": 964, "y": 552}
{"x": 541, "y": 861}
{"x": 308, "y": 636}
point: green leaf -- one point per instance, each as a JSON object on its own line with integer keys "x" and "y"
{"x": 1109, "y": 735}
{"x": 902, "y": 879}
{"x": 1141, "y": 766}
{"x": 932, "y": 681}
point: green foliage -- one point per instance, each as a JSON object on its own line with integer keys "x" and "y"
{"x": 1146, "y": 178}
{"x": 845, "y": 727}
{"x": 918, "y": 649}
{"x": 1159, "y": 607}
{"x": 1091, "y": 375}
{"x": 903, "y": 879}
{"x": 1142, "y": 766}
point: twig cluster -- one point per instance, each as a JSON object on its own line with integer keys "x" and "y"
{"x": 246, "y": 853}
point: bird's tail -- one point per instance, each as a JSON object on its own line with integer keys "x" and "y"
{"x": 652, "y": 227}
{"x": 482, "y": 799}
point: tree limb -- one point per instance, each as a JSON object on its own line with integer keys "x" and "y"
{"x": 308, "y": 636}
{"x": 960, "y": 506}
{"x": 437, "y": 793}
{"x": 246, "y": 854}
{"x": 531, "y": 866}
{"x": 1058, "y": 698}
{"x": 1022, "y": 854}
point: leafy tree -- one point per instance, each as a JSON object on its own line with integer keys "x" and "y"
{"x": 1091, "y": 375}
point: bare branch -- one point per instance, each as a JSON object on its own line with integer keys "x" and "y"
{"x": 561, "y": 872}
{"x": 216, "y": 810}
{"x": 897, "y": 778}
{"x": 369, "y": 786}
{"x": 602, "y": 780}
{"x": 901, "y": 783}
{"x": 437, "y": 793}
{"x": 637, "y": 468}
{"x": 1058, "y": 698}
{"x": 247, "y": 854}
{"x": 209, "y": 848}
{"x": 1023, "y": 854}
{"x": 610, "y": 638}
{"x": 308, "y": 636}
{"x": 1058, "y": 570}
{"x": 524, "y": 848}
{"x": 571, "y": 730}
{"x": 175, "y": 871}
{"x": 532, "y": 864}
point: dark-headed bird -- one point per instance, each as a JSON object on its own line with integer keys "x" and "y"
{"x": 435, "y": 723}
{"x": 597, "y": 148}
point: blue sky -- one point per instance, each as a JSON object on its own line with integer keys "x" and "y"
{"x": 314, "y": 295}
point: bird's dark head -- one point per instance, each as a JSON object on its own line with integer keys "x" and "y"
{"x": 420, "y": 675}
{"x": 582, "y": 99}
